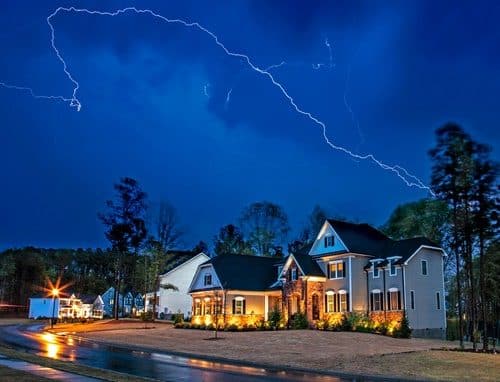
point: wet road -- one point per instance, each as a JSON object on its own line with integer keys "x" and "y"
{"x": 161, "y": 366}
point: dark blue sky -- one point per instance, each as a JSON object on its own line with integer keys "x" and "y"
{"x": 404, "y": 70}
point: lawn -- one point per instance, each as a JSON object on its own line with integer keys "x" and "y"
{"x": 329, "y": 351}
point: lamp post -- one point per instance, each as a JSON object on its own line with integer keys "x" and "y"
{"x": 55, "y": 294}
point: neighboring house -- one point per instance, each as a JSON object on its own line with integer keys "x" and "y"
{"x": 129, "y": 304}
{"x": 349, "y": 268}
{"x": 92, "y": 307}
{"x": 108, "y": 299}
{"x": 179, "y": 272}
{"x": 65, "y": 307}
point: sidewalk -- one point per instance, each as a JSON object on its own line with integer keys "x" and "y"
{"x": 42, "y": 371}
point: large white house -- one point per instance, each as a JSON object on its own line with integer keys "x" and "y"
{"x": 179, "y": 272}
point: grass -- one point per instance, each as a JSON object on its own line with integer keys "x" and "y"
{"x": 71, "y": 367}
{"x": 8, "y": 374}
{"x": 357, "y": 353}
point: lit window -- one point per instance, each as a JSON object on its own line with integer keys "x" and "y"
{"x": 197, "y": 307}
{"x": 336, "y": 270}
{"x": 424, "y": 267}
{"x": 239, "y": 305}
{"x": 207, "y": 305}
{"x": 330, "y": 301}
{"x": 342, "y": 301}
{"x": 208, "y": 279}
{"x": 329, "y": 241}
{"x": 393, "y": 302}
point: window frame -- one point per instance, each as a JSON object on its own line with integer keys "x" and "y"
{"x": 293, "y": 274}
{"x": 330, "y": 296}
{"x": 329, "y": 241}
{"x": 238, "y": 305}
{"x": 379, "y": 294}
{"x": 390, "y": 305}
{"x": 207, "y": 279}
{"x": 422, "y": 262}
{"x": 337, "y": 277}
{"x": 375, "y": 268}
{"x": 392, "y": 266}
{"x": 342, "y": 301}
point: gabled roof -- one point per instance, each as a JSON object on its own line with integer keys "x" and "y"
{"x": 407, "y": 247}
{"x": 403, "y": 250}
{"x": 360, "y": 238}
{"x": 308, "y": 265}
{"x": 244, "y": 272}
{"x": 178, "y": 257}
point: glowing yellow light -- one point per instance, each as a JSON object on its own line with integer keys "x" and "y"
{"x": 52, "y": 350}
{"x": 55, "y": 292}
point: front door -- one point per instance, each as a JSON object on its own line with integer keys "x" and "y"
{"x": 315, "y": 307}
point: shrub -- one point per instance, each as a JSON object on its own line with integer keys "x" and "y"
{"x": 232, "y": 328}
{"x": 346, "y": 323}
{"x": 179, "y": 325}
{"x": 162, "y": 316}
{"x": 210, "y": 326}
{"x": 299, "y": 321}
{"x": 178, "y": 318}
{"x": 322, "y": 325}
{"x": 275, "y": 318}
{"x": 147, "y": 316}
{"x": 202, "y": 326}
{"x": 186, "y": 325}
{"x": 404, "y": 330}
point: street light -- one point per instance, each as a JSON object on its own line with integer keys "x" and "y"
{"x": 55, "y": 294}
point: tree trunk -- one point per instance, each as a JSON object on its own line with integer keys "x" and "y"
{"x": 482, "y": 291}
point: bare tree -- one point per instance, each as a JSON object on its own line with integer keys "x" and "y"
{"x": 168, "y": 228}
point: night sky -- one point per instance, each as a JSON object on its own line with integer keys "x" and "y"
{"x": 154, "y": 108}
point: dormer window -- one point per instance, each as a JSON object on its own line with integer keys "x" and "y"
{"x": 376, "y": 273}
{"x": 329, "y": 241}
{"x": 207, "y": 280}
{"x": 392, "y": 268}
{"x": 293, "y": 274}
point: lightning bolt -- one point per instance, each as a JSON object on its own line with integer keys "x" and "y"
{"x": 409, "y": 179}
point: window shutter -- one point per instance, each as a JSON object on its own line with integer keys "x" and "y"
{"x": 343, "y": 269}
{"x": 234, "y": 306}
{"x": 325, "y": 239}
{"x": 371, "y": 302}
{"x": 328, "y": 271}
{"x": 326, "y": 303}
{"x": 244, "y": 307}
{"x": 381, "y": 301}
{"x": 389, "y": 307}
{"x": 399, "y": 300}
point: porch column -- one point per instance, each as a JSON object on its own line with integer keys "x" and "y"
{"x": 266, "y": 307}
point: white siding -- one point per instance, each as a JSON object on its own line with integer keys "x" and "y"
{"x": 179, "y": 301}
